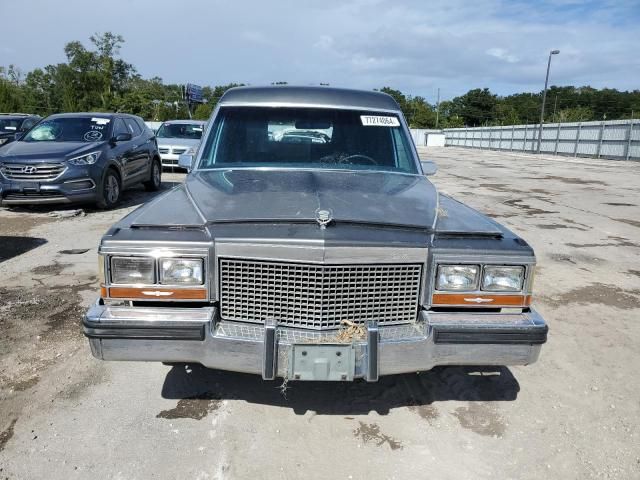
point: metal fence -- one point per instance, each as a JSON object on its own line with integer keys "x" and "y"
{"x": 614, "y": 139}
{"x": 420, "y": 135}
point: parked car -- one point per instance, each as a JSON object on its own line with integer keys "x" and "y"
{"x": 177, "y": 137}
{"x": 313, "y": 261}
{"x": 79, "y": 158}
{"x": 12, "y": 124}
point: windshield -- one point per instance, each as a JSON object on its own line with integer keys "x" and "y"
{"x": 70, "y": 129}
{"x": 307, "y": 138}
{"x": 191, "y": 131}
{"x": 9, "y": 125}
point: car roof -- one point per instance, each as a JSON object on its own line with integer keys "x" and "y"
{"x": 288, "y": 95}
{"x": 18, "y": 115}
{"x": 187, "y": 122}
{"x": 91, "y": 114}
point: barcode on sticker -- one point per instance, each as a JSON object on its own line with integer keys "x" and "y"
{"x": 379, "y": 121}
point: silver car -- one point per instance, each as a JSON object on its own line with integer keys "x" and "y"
{"x": 313, "y": 260}
{"x": 177, "y": 137}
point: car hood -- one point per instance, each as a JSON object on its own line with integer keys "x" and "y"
{"x": 177, "y": 142}
{"x": 45, "y": 151}
{"x": 295, "y": 196}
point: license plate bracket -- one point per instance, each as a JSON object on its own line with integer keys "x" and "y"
{"x": 30, "y": 187}
{"x": 322, "y": 362}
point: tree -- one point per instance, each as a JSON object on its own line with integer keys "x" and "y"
{"x": 476, "y": 107}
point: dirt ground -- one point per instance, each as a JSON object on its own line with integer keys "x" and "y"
{"x": 574, "y": 414}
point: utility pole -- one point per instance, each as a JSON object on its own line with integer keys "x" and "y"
{"x": 544, "y": 97}
{"x": 555, "y": 104}
{"x": 438, "y": 108}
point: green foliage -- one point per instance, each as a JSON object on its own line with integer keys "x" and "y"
{"x": 97, "y": 79}
{"x": 574, "y": 114}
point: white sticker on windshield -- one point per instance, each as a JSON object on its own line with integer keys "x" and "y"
{"x": 378, "y": 121}
{"x": 100, "y": 121}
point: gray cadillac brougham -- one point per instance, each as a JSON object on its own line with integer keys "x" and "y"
{"x": 307, "y": 243}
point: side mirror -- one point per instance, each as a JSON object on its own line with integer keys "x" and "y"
{"x": 429, "y": 168}
{"x": 121, "y": 137}
{"x": 18, "y": 135}
{"x": 186, "y": 161}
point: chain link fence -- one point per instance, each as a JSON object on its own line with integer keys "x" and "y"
{"x": 613, "y": 139}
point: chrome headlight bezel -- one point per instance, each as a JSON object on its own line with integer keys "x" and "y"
{"x": 195, "y": 264}
{"x": 492, "y": 274}
{"x": 472, "y": 272}
{"x": 86, "y": 159}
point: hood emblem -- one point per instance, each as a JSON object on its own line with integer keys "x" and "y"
{"x": 323, "y": 217}
{"x": 29, "y": 169}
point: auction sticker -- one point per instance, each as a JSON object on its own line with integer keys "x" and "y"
{"x": 378, "y": 121}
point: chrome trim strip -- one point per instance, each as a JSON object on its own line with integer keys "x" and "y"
{"x": 270, "y": 355}
{"x": 372, "y": 351}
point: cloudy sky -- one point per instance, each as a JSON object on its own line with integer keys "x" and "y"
{"x": 413, "y": 45}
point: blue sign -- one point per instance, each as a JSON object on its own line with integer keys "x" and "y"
{"x": 194, "y": 93}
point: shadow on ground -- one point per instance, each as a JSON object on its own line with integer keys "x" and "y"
{"x": 357, "y": 398}
{"x": 12, "y": 246}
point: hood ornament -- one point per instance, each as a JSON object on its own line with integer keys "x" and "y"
{"x": 323, "y": 217}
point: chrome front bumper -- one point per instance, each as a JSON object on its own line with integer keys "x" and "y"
{"x": 198, "y": 336}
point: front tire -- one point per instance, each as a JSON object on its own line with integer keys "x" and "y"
{"x": 155, "y": 182}
{"x": 111, "y": 190}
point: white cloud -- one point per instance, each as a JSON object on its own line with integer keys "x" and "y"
{"x": 502, "y": 54}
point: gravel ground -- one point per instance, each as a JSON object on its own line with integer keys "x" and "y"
{"x": 574, "y": 414}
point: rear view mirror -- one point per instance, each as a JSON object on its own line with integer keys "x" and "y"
{"x": 429, "y": 168}
{"x": 185, "y": 161}
{"x": 313, "y": 124}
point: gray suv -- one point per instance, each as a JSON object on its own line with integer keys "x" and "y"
{"x": 79, "y": 158}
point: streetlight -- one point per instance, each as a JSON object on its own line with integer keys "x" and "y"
{"x": 544, "y": 97}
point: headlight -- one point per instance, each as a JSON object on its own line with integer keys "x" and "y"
{"x": 132, "y": 270}
{"x": 88, "y": 159}
{"x": 2, "y": 140}
{"x": 502, "y": 279}
{"x": 181, "y": 271}
{"x": 457, "y": 277}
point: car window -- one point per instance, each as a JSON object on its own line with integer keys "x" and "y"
{"x": 143, "y": 126}
{"x": 180, "y": 130}
{"x": 308, "y": 138}
{"x": 119, "y": 127}
{"x": 133, "y": 127}
{"x": 28, "y": 123}
{"x": 70, "y": 129}
{"x": 9, "y": 124}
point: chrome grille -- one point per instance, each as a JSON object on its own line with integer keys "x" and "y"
{"x": 30, "y": 172}
{"x": 318, "y": 296}
{"x": 178, "y": 151}
{"x": 163, "y": 150}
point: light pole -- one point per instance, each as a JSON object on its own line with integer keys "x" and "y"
{"x": 544, "y": 97}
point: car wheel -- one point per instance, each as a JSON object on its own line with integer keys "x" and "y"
{"x": 111, "y": 190}
{"x": 155, "y": 182}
